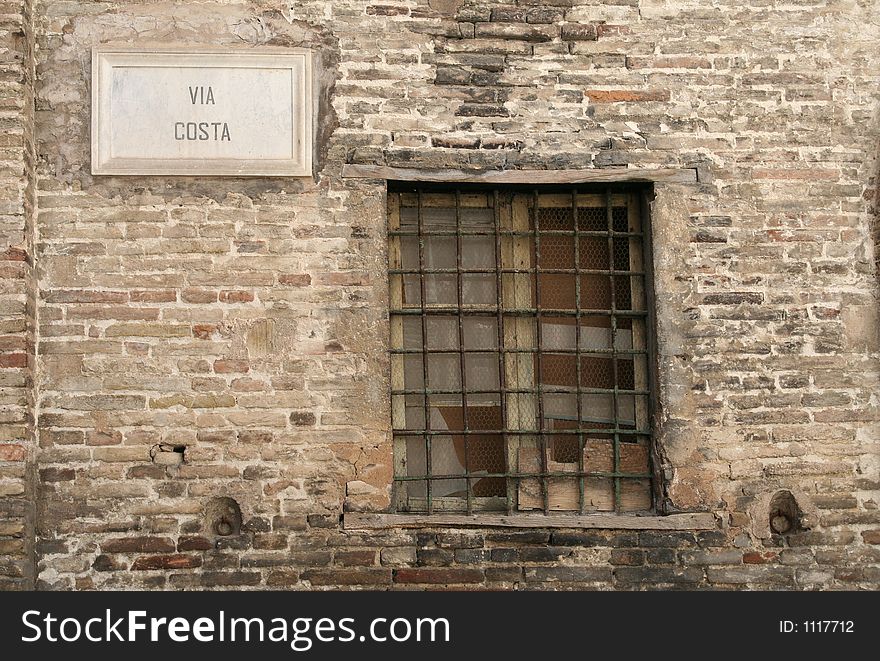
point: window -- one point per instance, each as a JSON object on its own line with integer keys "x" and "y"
{"x": 520, "y": 351}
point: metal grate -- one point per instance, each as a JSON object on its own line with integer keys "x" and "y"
{"x": 521, "y": 351}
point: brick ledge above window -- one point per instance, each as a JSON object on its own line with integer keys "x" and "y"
{"x": 530, "y": 177}
{"x": 690, "y": 521}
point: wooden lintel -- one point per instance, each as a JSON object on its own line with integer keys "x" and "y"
{"x": 693, "y": 521}
{"x": 527, "y": 177}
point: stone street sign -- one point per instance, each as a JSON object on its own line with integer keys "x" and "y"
{"x": 163, "y": 112}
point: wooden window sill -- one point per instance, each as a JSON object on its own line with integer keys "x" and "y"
{"x": 370, "y": 521}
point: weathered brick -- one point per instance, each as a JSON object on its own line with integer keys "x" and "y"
{"x": 310, "y": 558}
{"x": 516, "y": 31}
{"x": 871, "y": 536}
{"x": 617, "y": 96}
{"x": 689, "y": 558}
{"x": 733, "y": 298}
{"x": 543, "y": 554}
{"x": 194, "y": 543}
{"x": 504, "y": 574}
{"x": 283, "y": 578}
{"x": 57, "y": 474}
{"x": 472, "y": 556}
{"x": 579, "y": 32}
{"x": 303, "y": 418}
{"x": 434, "y": 575}
{"x": 435, "y": 557}
{"x": 176, "y": 561}
{"x": 289, "y": 523}
{"x": 631, "y": 557}
{"x": 294, "y": 279}
{"x": 138, "y": 545}
{"x": 658, "y": 575}
{"x": 523, "y": 537}
{"x": 13, "y": 360}
{"x": 371, "y": 576}
{"x": 579, "y": 539}
{"x": 666, "y": 539}
{"x": 387, "y": 10}
{"x": 323, "y": 520}
{"x": 228, "y": 579}
{"x": 231, "y": 366}
{"x": 481, "y": 110}
{"x": 404, "y": 555}
{"x": 569, "y": 574}
{"x": 12, "y": 452}
{"x": 504, "y": 555}
{"x": 104, "y": 563}
{"x": 355, "y": 558}
{"x": 752, "y": 574}
{"x": 668, "y": 62}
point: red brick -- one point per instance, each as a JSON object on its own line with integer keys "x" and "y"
{"x": 194, "y": 543}
{"x": 138, "y": 545}
{"x": 13, "y": 360}
{"x": 759, "y": 558}
{"x": 12, "y": 452}
{"x": 295, "y": 279}
{"x": 103, "y": 438}
{"x": 355, "y": 558}
{"x": 154, "y": 296}
{"x": 232, "y": 296}
{"x": 13, "y": 254}
{"x": 230, "y": 366}
{"x": 204, "y": 331}
{"x": 13, "y": 270}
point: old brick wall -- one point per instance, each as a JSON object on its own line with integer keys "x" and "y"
{"x": 17, "y": 290}
{"x": 244, "y": 320}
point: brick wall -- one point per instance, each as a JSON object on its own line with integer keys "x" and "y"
{"x": 204, "y": 338}
{"x": 17, "y": 289}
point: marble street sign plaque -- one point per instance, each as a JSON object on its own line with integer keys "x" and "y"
{"x": 230, "y": 113}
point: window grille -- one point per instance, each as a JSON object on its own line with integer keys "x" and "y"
{"x": 521, "y": 350}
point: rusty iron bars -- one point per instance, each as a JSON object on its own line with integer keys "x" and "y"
{"x": 620, "y": 276}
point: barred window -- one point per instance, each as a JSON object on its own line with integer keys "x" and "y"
{"x": 521, "y": 350}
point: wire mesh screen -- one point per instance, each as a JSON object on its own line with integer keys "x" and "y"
{"x": 521, "y": 351}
